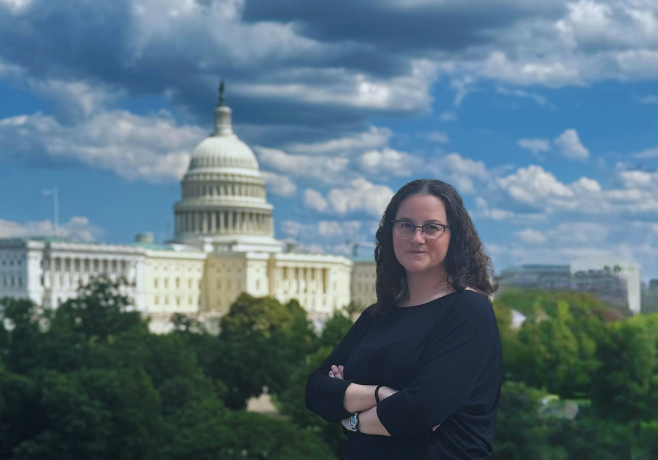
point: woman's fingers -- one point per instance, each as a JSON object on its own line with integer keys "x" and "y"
{"x": 434, "y": 429}
{"x": 336, "y": 372}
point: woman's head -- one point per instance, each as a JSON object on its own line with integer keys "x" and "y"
{"x": 457, "y": 252}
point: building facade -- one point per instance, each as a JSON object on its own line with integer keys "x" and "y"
{"x": 618, "y": 284}
{"x": 223, "y": 245}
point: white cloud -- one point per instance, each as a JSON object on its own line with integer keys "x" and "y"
{"x": 531, "y": 235}
{"x": 538, "y": 98}
{"x": 457, "y": 171}
{"x": 343, "y": 229}
{"x": 77, "y": 228}
{"x": 389, "y": 161}
{"x": 360, "y": 195}
{"x": 638, "y": 179}
{"x": 314, "y": 200}
{"x": 373, "y": 138}
{"x": 535, "y": 145}
{"x": 135, "y": 147}
{"x": 291, "y": 228}
{"x": 649, "y": 99}
{"x": 648, "y": 153}
{"x": 326, "y": 168}
{"x": 437, "y": 136}
{"x": 279, "y": 184}
{"x": 530, "y": 184}
{"x": 531, "y": 71}
{"x": 570, "y": 145}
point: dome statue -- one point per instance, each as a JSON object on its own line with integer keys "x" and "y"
{"x": 224, "y": 203}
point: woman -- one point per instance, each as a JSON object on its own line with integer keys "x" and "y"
{"x": 418, "y": 375}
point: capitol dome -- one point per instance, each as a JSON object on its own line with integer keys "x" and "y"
{"x": 223, "y": 194}
{"x": 222, "y": 149}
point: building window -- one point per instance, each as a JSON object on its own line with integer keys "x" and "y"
{"x": 177, "y": 283}
{"x": 178, "y": 301}
{"x": 67, "y": 264}
{"x": 155, "y": 283}
{"x": 166, "y": 283}
{"x": 189, "y": 284}
{"x": 157, "y": 300}
{"x": 96, "y": 265}
{"x": 166, "y": 302}
{"x": 257, "y": 285}
{"x": 20, "y": 281}
{"x": 58, "y": 264}
{"x": 86, "y": 265}
{"x": 76, "y": 265}
{"x": 189, "y": 301}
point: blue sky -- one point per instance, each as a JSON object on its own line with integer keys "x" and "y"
{"x": 543, "y": 114}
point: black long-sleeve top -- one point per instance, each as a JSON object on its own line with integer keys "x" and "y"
{"x": 445, "y": 358}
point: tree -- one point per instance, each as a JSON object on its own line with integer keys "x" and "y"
{"x": 260, "y": 342}
{"x": 521, "y": 432}
{"x": 626, "y": 386}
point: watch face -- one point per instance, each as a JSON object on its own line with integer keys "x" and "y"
{"x": 352, "y": 422}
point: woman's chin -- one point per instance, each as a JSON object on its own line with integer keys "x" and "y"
{"x": 415, "y": 267}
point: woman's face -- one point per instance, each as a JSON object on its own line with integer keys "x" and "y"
{"x": 416, "y": 253}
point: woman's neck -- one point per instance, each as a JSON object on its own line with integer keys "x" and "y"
{"x": 423, "y": 287}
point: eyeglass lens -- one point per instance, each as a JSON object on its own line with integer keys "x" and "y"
{"x": 431, "y": 231}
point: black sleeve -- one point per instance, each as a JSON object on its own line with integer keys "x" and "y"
{"x": 446, "y": 373}
{"x": 325, "y": 395}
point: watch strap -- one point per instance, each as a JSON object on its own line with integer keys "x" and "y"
{"x": 377, "y": 393}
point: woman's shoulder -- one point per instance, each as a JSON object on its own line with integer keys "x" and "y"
{"x": 474, "y": 302}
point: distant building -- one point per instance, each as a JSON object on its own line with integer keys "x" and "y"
{"x": 537, "y": 276}
{"x": 364, "y": 280}
{"x": 617, "y": 284}
{"x": 650, "y": 297}
{"x": 223, "y": 245}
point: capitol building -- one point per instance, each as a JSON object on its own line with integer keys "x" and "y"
{"x": 223, "y": 245}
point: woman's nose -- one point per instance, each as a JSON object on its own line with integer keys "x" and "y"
{"x": 417, "y": 236}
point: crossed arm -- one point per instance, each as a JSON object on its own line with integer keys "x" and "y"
{"x": 361, "y": 398}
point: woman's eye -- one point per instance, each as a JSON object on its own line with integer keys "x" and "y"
{"x": 431, "y": 228}
{"x": 405, "y": 225}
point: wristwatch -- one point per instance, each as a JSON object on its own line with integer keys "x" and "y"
{"x": 353, "y": 422}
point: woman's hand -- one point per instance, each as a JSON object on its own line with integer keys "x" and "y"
{"x": 336, "y": 372}
{"x": 384, "y": 392}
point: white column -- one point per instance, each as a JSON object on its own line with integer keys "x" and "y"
{"x": 221, "y": 222}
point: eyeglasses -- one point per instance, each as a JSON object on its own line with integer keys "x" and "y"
{"x": 431, "y": 231}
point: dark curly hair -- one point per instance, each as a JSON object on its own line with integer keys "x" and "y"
{"x": 466, "y": 263}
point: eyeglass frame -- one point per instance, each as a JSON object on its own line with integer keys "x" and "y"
{"x": 422, "y": 232}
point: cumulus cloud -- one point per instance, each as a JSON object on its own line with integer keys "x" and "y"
{"x": 459, "y": 171}
{"x": 389, "y": 161}
{"x": 531, "y": 235}
{"x": 314, "y": 200}
{"x": 77, "y": 228}
{"x": 135, "y": 147}
{"x": 360, "y": 196}
{"x": 436, "y": 136}
{"x": 535, "y": 145}
{"x": 334, "y": 228}
{"x": 648, "y": 153}
{"x": 373, "y": 138}
{"x": 649, "y": 99}
{"x": 538, "y": 98}
{"x": 279, "y": 184}
{"x": 570, "y": 145}
{"x": 325, "y": 168}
